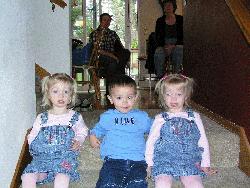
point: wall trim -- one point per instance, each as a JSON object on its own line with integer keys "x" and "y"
{"x": 242, "y": 15}
{"x": 244, "y": 163}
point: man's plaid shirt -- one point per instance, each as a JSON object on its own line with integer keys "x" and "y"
{"x": 108, "y": 40}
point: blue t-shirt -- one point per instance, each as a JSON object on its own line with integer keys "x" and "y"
{"x": 123, "y": 134}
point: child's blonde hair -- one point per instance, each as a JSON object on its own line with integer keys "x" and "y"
{"x": 174, "y": 79}
{"x": 49, "y": 81}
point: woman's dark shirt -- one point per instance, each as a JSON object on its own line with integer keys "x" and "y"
{"x": 160, "y": 30}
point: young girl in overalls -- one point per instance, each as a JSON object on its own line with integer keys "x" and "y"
{"x": 177, "y": 146}
{"x": 56, "y": 136}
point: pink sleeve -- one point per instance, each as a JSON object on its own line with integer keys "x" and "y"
{"x": 81, "y": 130}
{"x": 203, "y": 142}
{"x": 152, "y": 137}
{"x": 35, "y": 129}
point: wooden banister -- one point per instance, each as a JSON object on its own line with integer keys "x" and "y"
{"x": 241, "y": 11}
{"x": 60, "y": 3}
{"x": 23, "y": 160}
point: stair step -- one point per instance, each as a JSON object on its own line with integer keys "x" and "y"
{"x": 224, "y": 145}
{"x": 226, "y": 178}
{"x": 224, "y": 149}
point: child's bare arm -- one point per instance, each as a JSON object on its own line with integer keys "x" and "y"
{"x": 94, "y": 141}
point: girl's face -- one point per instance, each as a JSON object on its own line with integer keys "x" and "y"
{"x": 169, "y": 8}
{"x": 123, "y": 98}
{"x": 60, "y": 95}
{"x": 175, "y": 97}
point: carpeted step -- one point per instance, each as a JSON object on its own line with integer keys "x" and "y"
{"x": 224, "y": 145}
{"x": 227, "y": 177}
{"x": 224, "y": 148}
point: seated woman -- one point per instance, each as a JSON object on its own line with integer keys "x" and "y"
{"x": 169, "y": 39}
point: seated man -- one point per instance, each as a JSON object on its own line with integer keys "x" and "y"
{"x": 108, "y": 44}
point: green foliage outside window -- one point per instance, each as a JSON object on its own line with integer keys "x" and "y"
{"x": 116, "y": 8}
{"x": 134, "y": 44}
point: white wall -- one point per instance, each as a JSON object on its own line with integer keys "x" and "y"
{"x": 52, "y": 37}
{"x": 17, "y": 95}
{"x": 30, "y": 33}
{"x": 148, "y": 12}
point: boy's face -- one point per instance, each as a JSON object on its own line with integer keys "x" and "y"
{"x": 123, "y": 98}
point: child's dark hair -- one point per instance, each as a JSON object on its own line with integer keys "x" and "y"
{"x": 105, "y": 14}
{"x": 121, "y": 80}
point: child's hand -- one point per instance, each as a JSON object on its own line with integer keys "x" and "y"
{"x": 148, "y": 172}
{"x": 94, "y": 142}
{"x": 208, "y": 170}
{"x": 76, "y": 145}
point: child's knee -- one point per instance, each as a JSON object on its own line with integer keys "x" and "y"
{"x": 29, "y": 180}
{"x": 192, "y": 181}
{"x": 41, "y": 176}
{"x": 61, "y": 181}
{"x": 29, "y": 177}
{"x": 33, "y": 177}
{"x": 62, "y": 176}
{"x": 163, "y": 181}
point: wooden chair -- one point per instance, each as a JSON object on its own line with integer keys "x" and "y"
{"x": 171, "y": 67}
{"x": 92, "y": 82}
{"x": 84, "y": 60}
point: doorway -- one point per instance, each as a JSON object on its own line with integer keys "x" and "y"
{"x": 85, "y": 18}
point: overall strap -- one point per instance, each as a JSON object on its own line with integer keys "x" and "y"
{"x": 74, "y": 118}
{"x": 165, "y": 116}
{"x": 44, "y": 118}
{"x": 190, "y": 112}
